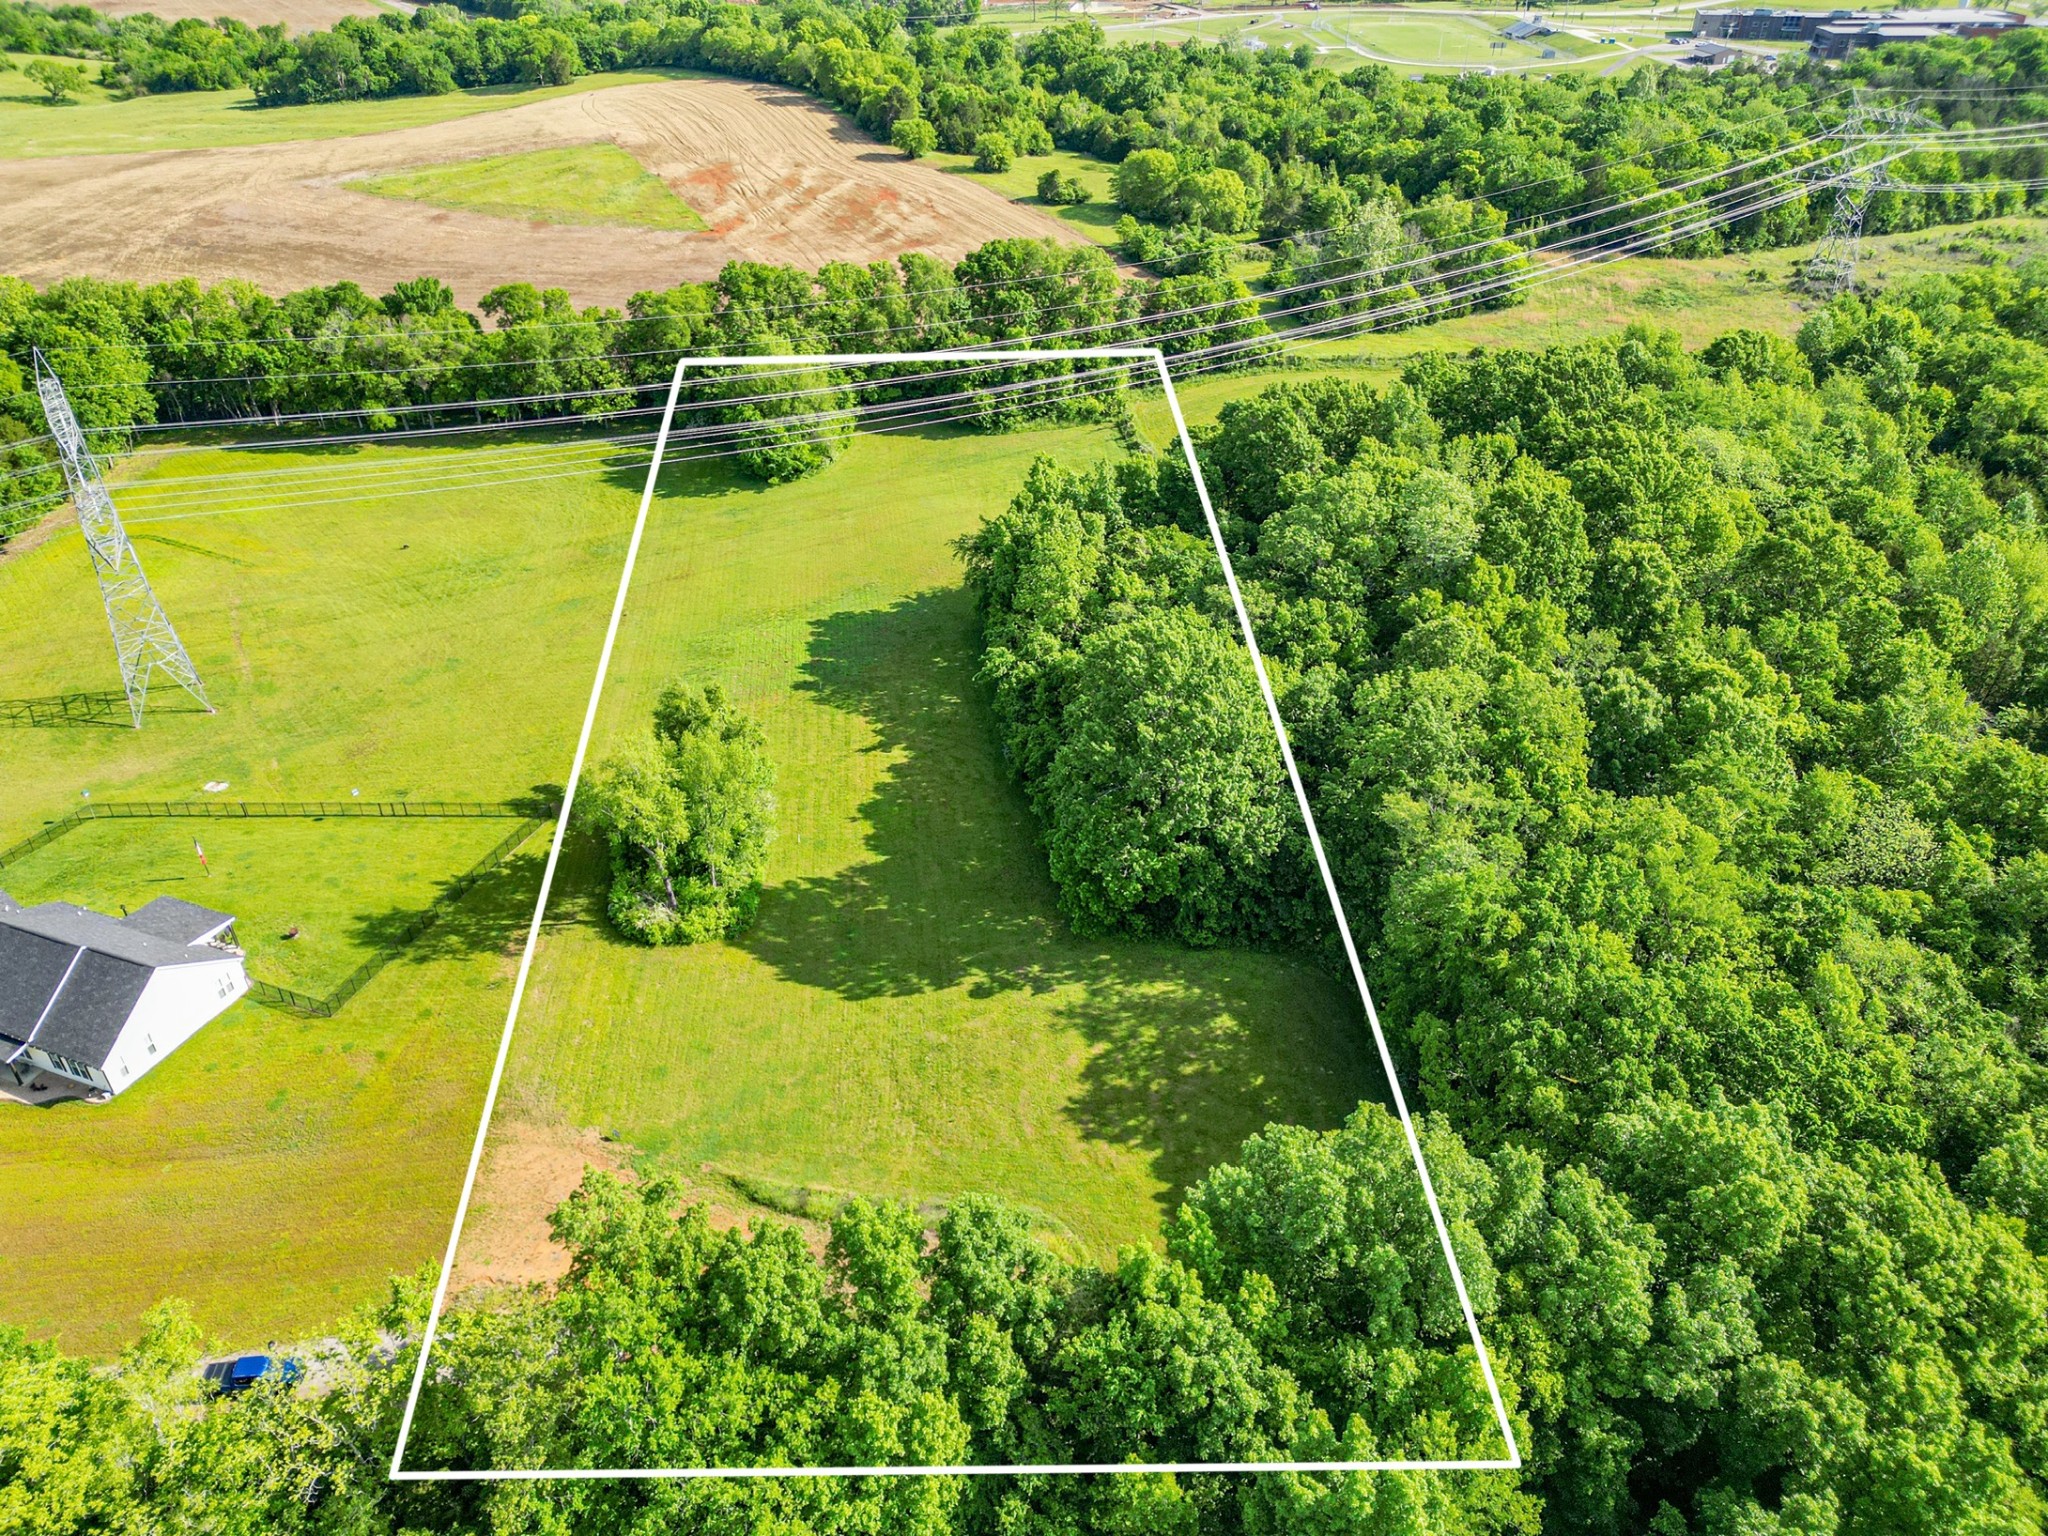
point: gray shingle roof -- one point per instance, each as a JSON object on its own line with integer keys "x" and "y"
{"x": 30, "y": 968}
{"x": 70, "y": 977}
{"x": 180, "y": 921}
{"x": 86, "y": 1019}
{"x": 83, "y": 928}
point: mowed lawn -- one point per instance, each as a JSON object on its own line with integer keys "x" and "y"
{"x": 409, "y": 622}
{"x": 583, "y": 184}
{"x": 340, "y": 887}
{"x": 908, "y": 1016}
{"x": 1095, "y": 219}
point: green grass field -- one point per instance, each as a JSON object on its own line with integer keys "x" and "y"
{"x": 344, "y": 884}
{"x": 1096, "y": 220}
{"x": 98, "y": 124}
{"x": 908, "y": 1016}
{"x": 584, "y": 184}
{"x": 354, "y": 634}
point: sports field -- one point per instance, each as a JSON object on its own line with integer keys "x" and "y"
{"x": 1425, "y": 37}
{"x": 908, "y": 1016}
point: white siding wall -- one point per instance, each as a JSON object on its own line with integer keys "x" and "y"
{"x": 176, "y": 1004}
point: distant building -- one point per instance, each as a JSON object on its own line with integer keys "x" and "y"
{"x": 89, "y": 1003}
{"x": 1839, "y": 39}
{"x": 1521, "y": 31}
{"x": 1769, "y": 26}
{"x": 1712, "y": 53}
{"x": 1836, "y": 34}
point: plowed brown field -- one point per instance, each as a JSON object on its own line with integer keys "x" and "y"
{"x": 776, "y": 176}
{"x": 297, "y": 15}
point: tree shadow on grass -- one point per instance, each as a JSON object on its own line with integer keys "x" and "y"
{"x": 1192, "y": 1050}
{"x": 471, "y": 914}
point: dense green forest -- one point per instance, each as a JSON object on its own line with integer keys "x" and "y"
{"x": 1674, "y": 724}
{"x": 1675, "y": 727}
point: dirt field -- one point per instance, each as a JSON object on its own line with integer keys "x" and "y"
{"x": 777, "y": 177}
{"x": 297, "y": 15}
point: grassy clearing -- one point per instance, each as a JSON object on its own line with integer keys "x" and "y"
{"x": 584, "y": 184}
{"x": 1447, "y": 39}
{"x": 278, "y": 1169}
{"x": 345, "y": 885}
{"x": 1096, "y": 220}
{"x": 98, "y": 124}
{"x": 908, "y": 1016}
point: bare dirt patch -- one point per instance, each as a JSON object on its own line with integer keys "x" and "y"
{"x": 776, "y": 176}
{"x": 528, "y": 1170}
{"x": 531, "y": 1166}
{"x": 297, "y": 15}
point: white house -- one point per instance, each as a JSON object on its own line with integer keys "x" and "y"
{"x": 89, "y": 1003}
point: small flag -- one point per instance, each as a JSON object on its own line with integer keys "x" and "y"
{"x": 202, "y": 858}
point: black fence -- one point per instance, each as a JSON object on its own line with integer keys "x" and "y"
{"x": 532, "y": 815}
{"x": 326, "y": 1007}
{"x": 314, "y": 809}
{"x": 101, "y": 708}
{"x": 229, "y": 810}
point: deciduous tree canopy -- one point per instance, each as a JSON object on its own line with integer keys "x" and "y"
{"x": 1674, "y": 724}
{"x": 687, "y": 809}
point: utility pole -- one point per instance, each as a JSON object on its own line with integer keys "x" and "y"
{"x": 1858, "y": 173}
{"x": 144, "y": 642}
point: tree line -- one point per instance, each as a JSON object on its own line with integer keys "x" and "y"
{"x": 1233, "y": 142}
{"x": 133, "y": 355}
{"x": 1675, "y": 725}
{"x": 1300, "y": 1310}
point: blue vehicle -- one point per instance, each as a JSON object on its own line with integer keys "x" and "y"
{"x": 244, "y": 1371}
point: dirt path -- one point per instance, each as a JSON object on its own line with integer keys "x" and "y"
{"x": 776, "y": 176}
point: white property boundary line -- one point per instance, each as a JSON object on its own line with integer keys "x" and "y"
{"x": 1157, "y": 358}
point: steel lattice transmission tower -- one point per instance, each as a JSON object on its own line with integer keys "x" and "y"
{"x": 144, "y": 641}
{"x": 1867, "y": 134}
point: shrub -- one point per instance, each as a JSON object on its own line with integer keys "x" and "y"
{"x": 1058, "y": 189}
{"x": 59, "y": 82}
{"x": 914, "y": 136}
{"x": 994, "y": 152}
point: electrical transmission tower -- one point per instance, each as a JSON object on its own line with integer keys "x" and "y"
{"x": 1858, "y": 173}
{"x": 144, "y": 641}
